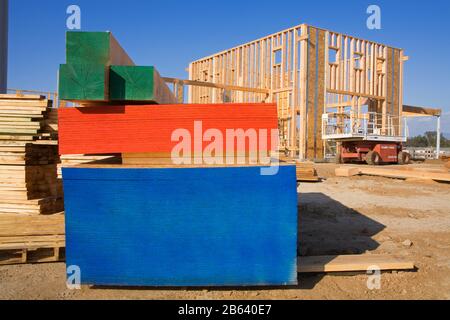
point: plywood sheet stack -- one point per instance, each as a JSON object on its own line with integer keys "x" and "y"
{"x": 28, "y": 158}
{"x": 165, "y": 217}
{"x": 175, "y": 224}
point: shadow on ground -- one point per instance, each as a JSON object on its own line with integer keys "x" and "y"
{"x": 327, "y": 227}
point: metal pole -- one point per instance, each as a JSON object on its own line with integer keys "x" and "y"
{"x": 405, "y": 119}
{"x": 3, "y": 45}
{"x": 438, "y": 138}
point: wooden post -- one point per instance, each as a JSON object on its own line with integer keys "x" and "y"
{"x": 303, "y": 91}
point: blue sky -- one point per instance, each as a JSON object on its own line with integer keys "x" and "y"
{"x": 170, "y": 34}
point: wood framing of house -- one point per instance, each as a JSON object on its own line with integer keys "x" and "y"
{"x": 307, "y": 71}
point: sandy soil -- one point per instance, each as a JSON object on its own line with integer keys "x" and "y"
{"x": 337, "y": 216}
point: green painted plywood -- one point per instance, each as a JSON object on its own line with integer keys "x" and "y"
{"x": 81, "y": 82}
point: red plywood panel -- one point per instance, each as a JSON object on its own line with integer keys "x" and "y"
{"x": 149, "y": 128}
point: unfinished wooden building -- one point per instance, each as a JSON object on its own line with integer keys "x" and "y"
{"x": 308, "y": 72}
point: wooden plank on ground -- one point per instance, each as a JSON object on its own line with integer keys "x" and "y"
{"x": 346, "y": 172}
{"x": 352, "y": 263}
{"x": 392, "y": 173}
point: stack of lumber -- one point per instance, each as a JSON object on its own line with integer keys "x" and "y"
{"x": 31, "y": 223}
{"x": 27, "y": 157}
{"x": 410, "y": 173}
{"x": 23, "y": 118}
{"x": 307, "y": 173}
{"x": 99, "y": 70}
{"x": 27, "y": 182}
{"x": 27, "y": 154}
{"x": 51, "y": 124}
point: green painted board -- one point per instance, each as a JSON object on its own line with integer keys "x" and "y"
{"x": 81, "y": 82}
{"x": 138, "y": 83}
{"x": 95, "y": 48}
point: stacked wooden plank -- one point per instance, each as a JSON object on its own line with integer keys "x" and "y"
{"x": 22, "y": 118}
{"x": 98, "y": 70}
{"x": 27, "y": 168}
{"x": 307, "y": 173}
{"x": 29, "y": 197}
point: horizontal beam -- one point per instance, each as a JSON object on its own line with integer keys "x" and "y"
{"x": 356, "y": 94}
{"x": 215, "y": 85}
{"x": 413, "y": 111}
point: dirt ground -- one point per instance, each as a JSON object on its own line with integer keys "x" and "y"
{"x": 337, "y": 216}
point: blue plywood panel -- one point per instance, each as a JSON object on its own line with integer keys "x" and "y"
{"x": 181, "y": 227}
